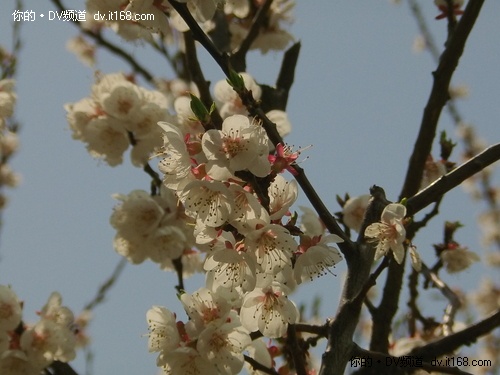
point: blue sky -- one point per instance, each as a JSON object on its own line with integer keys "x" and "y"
{"x": 358, "y": 99}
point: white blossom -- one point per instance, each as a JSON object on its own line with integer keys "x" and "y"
{"x": 163, "y": 333}
{"x": 186, "y": 360}
{"x": 82, "y": 49}
{"x": 389, "y": 233}
{"x": 176, "y": 162}
{"x": 16, "y": 362}
{"x": 119, "y": 114}
{"x": 137, "y": 215}
{"x": 203, "y": 307}
{"x": 240, "y": 8}
{"x": 310, "y": 224}
{"x": 458, "y": 259}
{"x": 240, "y": 145}
{"x": 209, "y": 202}
{"x": 268, "y": 310}
{"x": 223, "y": 345}
{"x": 7, "y": 98}
{"x": 354, "y": 211}
{"x": 10, "y": 309}
{"x": 230, "y": 269}
{"x": 282, "y": 194}
{"x": 273, "y": 247}
{"x": 230, "y": 101}
{"x": 315, "y": 257}
{"x": 281, "y": 120}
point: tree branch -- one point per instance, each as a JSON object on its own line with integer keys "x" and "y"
{"x": 196, "y": 75}
{"x": 341, "y": 329}
{"x": 254, "y": 109}
{"x": 222, "y": 59}
{"x": 309, "y": 328}
{"x": 238, "y": 58}
{"x": 61, "y": 368}
{"x": 138, "y": 68}
{"x": 297, "y": 353}
{"x": 438, "y": 98}
{"x": 452, "y": 179}
{"x": 454, "y": 301}
{"x": 380, "y": 360}
{"x": 259, "y": 366}
{"x": 106, "y": 286}
{"x": 454, "y": 341}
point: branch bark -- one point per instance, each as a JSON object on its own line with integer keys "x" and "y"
{"x": 438, "y": 98}
{"x": 452, "y": 179}
{"x": 439, "y": 95}
{"x": 452, "y": 342}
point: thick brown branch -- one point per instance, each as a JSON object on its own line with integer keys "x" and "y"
{"x": 309, "y": 328}
{"x": 297, "y": 353}
{"x": 438, "y": 98}
{"x": 385, "y": 312}
{"x": 342, "y": 328}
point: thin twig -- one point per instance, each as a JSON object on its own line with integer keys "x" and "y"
{"x": 179, "y": 270}
{"x": 97, "y": 37}
{"x": 106, "y": 286}
{"x": 450, "y": 295}
{"x": 416, "y": 225}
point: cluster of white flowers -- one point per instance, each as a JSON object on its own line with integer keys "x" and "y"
{"x": 222, "y": 204}
{"x": 82, "y": 49}
{"x": 151, "y": 227}
{"x": 209, "y": 206}
{"x": 213, "y": 340}
{"x": 137, "y": 19}
{"x": 9, "y": 140}
{"x": 118, "y": 114}
{"x": 7, "y": 100}
{"x": 28, "y": 349}
{"x": 273, "y": 36}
